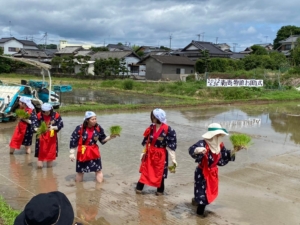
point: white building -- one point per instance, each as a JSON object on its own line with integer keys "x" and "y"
{"x": 12, "y": 45}
{"x": 63, "y": 43}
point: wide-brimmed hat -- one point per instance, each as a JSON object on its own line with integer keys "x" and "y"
{"x": 47, "y": 209}
{"x": 213, "y": 130}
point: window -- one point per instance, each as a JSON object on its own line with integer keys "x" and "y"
{"x": 177, "y": 70}
{"x": 11, "y": 49}
{"x": 287, "y": 47}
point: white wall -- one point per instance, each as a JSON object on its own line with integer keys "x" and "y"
{"x": 12, "y": 44}
{"x": 134, "y": 60}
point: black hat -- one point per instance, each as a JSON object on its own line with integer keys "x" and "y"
{"x": 47, "y": 209}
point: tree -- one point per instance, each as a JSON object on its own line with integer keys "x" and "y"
{"x": 83, "y": 61}
{"x": 67, "y": 64}
{"x": 258, "y": 50}
{"x": 164, "y": 48}
{"x": 284, "y": 32}
{"x": 1, "y": 50}
{"x": 50, "y": 46}
{"x": 56, "y": 61}
{"x": 295, "y": 53}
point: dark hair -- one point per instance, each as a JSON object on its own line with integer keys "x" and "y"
{"x": 85, "y": 123}
{"x": 153, "y": 117}
{"x": 51, "y": 112}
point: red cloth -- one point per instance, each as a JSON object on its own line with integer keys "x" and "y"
{"x": 19, "y": 133}
{"x": 91, "y": 151}
{"x": 47, "y": 144}
{"x": 153, "y": 163}
{"x": 211, "y": 174}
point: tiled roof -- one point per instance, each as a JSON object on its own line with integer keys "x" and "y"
{"x": 113, "y": 54}
{"x": 202, "y": 45}
{"x": 34, "y": 53}
{"x": 120, "y": 47}
{"x": 69, "y": 50}
{"x": 84, "y": 52}
{"x": 24, "y": 42}
{"x": 171, "y": 60}
{"x": 290, "y": 39}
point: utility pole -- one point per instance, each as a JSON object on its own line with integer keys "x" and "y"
{"x": 170, "y": 40}
{"x": 266, "y": 39}
{"x": 216, "y": 40}
{"x": 9, "y": 28}
{"x": 199, "y": 35}
{"x": 203, "y": 36}
{"x": 234, "y": 44}
{"x": 45, "y": 36}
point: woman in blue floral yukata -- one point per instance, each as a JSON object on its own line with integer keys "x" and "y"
{"x": 85, "y": 138}
{"x": 209, "y": 153}
{"x": 159, "y": 140}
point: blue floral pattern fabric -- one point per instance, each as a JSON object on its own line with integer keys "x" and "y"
{"x": 200, "y": 182}
{"x": 27, "y": 141}
{"x": 98, "y": 135}
{"x": 164, "y": 140}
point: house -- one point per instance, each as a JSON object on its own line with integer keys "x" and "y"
{"x": 33, "y": 54}
{"x": 267, "y": 46}
{"x": 238, "y": 55}
{"x": 288, "y": 44}
{"x": 195, "y": 48}
{"x": 130, "y": 59}
{"x": 167, "y": 67}
{"x": 69, "y": 51}
{"x": 12, "y": 45}
{"x": 118, "y": 47}
{"x": 247, "y": 50}
{"x": 63, "y": 44}
{"x": 224, "y": 47}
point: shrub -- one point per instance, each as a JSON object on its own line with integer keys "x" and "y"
{"x": 128, "y": 84}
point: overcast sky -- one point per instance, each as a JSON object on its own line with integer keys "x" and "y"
{"x": 148, "y": 22}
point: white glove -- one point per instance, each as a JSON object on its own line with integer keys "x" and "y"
{"x": 108, "y": 138}
{"x": 35, "y": 129}
{"x": 72, "y": 156}
{"x": 53, "y": 128}
{"x": 200, "y": 150}
{"x": 142, "y": 155}
{"x": 27, "y": 121}
{"x": 172, "y": 155}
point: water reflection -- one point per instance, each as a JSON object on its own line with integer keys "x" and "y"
{"x": 109, "y": 97}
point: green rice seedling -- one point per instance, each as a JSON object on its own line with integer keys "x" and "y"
{"x": 240, "y": 141}
{"x": 115, "y": 130}
{"x": 172, "y": 168}
{"x": 22, "y": 114}
{"x": 41, "y": 130}
{"x": 7, "y": 214}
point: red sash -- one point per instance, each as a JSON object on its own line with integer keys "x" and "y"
{"x": 211, "y": 174}
{"x": 47, "y": 144}
{"x": 87, "y": 152}
{"x": 19, "y": 133}
{"x": 153, "y": 162}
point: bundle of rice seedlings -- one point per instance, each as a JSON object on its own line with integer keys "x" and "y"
{"x": 22, "y": 114}
{"x": 240, "y": 141}
{"x": 43, "y": 128}
{"x": 172, "y": 168}
{"x": 115, "y": 130}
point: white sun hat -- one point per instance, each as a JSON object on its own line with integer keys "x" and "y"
{"x": 27, "y": 101}
{"x": 160, "y": 115}
{"x": 46, "y": 107}
{"x": 213, "y": 130}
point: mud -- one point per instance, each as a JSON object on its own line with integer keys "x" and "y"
{"x": 260, "y": 187}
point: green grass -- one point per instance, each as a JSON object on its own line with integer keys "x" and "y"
{"x": 7, "y": 214}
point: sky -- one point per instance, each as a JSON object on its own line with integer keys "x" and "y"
{"x": 169, "y": 23}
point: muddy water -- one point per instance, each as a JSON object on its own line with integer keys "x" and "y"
{"x": 108, "y": 97}
{"x": 260, "y": 187}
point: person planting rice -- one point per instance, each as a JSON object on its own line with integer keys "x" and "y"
{"x": 24, "y": 130}
{"x": 209, "y": 153}
{"x": 85, "y": 138}
{"x": 46, "y": 146}
{"x": 159, "y": 140}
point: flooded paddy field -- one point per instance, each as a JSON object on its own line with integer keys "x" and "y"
{"x": 260, "y": 187}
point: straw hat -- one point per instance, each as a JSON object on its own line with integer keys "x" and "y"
{"x": 213, "y": 130}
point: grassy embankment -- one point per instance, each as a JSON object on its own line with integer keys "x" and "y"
{"x": 7, "y": 214}
{"x": 192, "y": 93}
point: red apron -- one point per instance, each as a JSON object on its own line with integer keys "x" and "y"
{"x": 47, "y": 144}
{"x": 87, "y": 152}
{"x": 19, "y": 133}
{"x": 210, "y": 175}
{"x": 153, "y": 162}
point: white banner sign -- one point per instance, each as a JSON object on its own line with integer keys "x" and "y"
{"x": 234, "y": 83}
